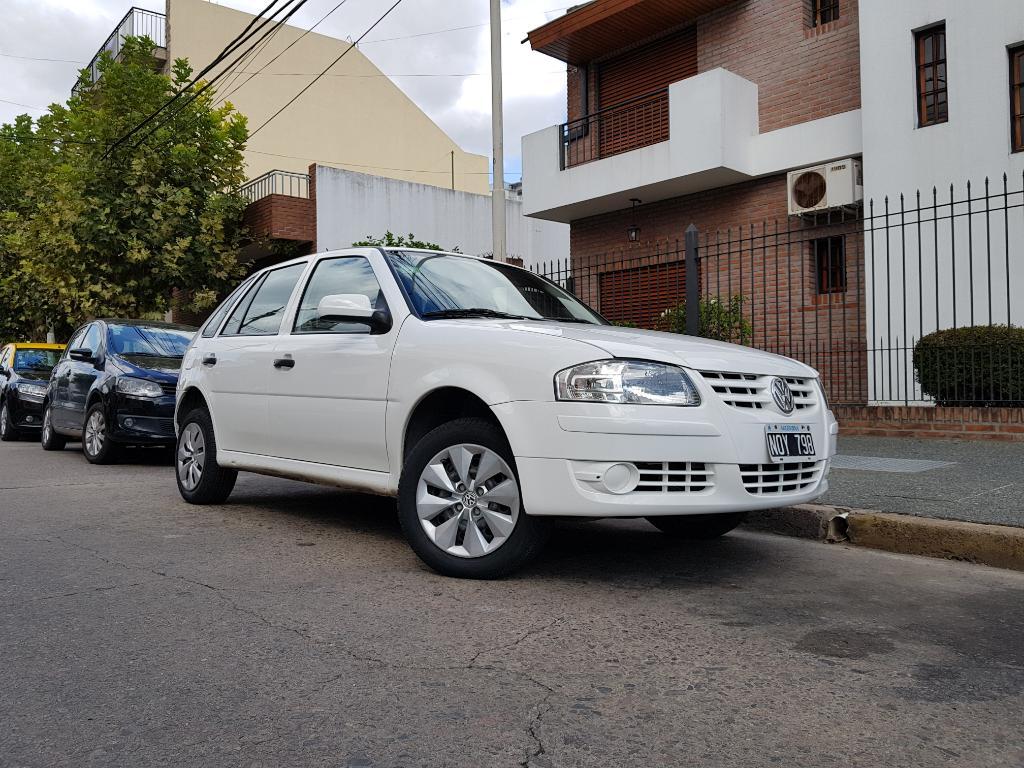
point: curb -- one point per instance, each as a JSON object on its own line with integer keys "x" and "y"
{"x": 995, "y": 545}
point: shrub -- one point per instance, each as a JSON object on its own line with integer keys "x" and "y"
{"x": 982, "y": 365}
{"x": 720, "y": 320}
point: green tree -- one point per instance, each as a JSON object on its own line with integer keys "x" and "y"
{"x": 92, "y": 230}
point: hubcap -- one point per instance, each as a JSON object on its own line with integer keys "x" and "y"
{"x": 3, "y": 420}
{"x": 191, "y": 456}
{"x": 46, "y": 424}
{"x": 464, "y": 522}
{"x": 95, "y": 433}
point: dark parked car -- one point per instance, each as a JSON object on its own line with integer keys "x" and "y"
{"x": 114, "y": 386}
{"x": 24, "y": 371}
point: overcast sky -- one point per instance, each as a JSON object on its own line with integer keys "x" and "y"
{"x": 534, "y": 84}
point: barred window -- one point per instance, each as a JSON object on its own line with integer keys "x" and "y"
{"x": 1017, "y": 97}
{"x": 830, "y": 264}
{"x": 824, "y": 11}
{"x": 932, "y": 98}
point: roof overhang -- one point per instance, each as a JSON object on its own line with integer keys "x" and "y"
{"x": 590, "y": 31}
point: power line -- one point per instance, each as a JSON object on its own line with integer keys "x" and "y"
{"x": 388, "y": 74}
{"x": 36, "y": 58}
{"x": 26, "y": 106}
{"x": 244, "y": 36}
{"x": 324, "y": 72}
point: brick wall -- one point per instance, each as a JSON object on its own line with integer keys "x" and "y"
{"x": 928, "y": 422}
{"x": 281, "y": 217}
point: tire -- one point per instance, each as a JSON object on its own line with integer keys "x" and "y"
{"x": 8, "y": 433}
{"x": 457, "y": 543}
{"x": 96, "y": 443}
{"x": 49, "y": 439}
{"x": 201, "y": 480}
{"x": 697, "y": 526}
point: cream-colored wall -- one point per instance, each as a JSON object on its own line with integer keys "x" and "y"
{"x": 359, "y": 120}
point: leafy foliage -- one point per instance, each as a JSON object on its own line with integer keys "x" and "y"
{"x": 86, "y": 232}
{"x": 982, "y": 365}
{"x": 391, "y": 240}
{"x": 720, "y": 320}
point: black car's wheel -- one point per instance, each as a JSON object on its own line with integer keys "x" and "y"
{"x": 201, "y": 480}
{"x": 460, "y": 505}
{"x": 49, "y": 438}
{"x": 697, "y": 526}
{"x": 7, "y": 431}
{"x": 96, "y": 443}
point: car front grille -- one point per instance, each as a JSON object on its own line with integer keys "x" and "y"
{"x": 750, "y": 390}
{"x": 169, "y": 389}
{"x": 674, "y": 477}
{"x": 779, "y": 479}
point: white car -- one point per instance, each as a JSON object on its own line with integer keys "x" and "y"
{"x": 487, "y": 400}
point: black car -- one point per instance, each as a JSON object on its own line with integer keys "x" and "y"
{"x": 24, "y": 372}
{"x": 114, "y": 386}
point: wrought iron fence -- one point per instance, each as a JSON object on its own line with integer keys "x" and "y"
{"x": 285, "y": 183}
{"x": 138, "y": 22}
{"x": 635, "y": 123}
{"x": 851, "y": 293}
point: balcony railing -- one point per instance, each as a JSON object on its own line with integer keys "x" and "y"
{"x": 277, "y": 183}
{"x": 636, "y": 123}
{"x": 138, "y": 22}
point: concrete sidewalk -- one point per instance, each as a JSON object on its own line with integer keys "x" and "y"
{"x": 974, "y": 481}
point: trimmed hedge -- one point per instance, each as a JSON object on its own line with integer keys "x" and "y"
{"x": 982, "y": 365}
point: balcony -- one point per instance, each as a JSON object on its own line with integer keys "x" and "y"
{"x": 699, "y": 134}
{"x": 284, "y": 183}
{"x": 280, "y": 208}
{"x": 138, "y": 22}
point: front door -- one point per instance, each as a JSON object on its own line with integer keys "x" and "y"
{"x": 328, "y": 403}
{"x": 240, "y": 360}
{"x": 81, "y": 375}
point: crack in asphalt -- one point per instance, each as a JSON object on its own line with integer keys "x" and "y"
{"x": 70, "y": 594}
{"x": 543, "y": 707}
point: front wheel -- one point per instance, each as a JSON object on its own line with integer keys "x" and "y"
{"x": 96, "y": 443}
{"x": 697, "y": 526}
{"x": 201, "y": 480}
{"x": 7, "y": 431}
{"x": 460, "y": 505}
{"x": 49, "y": 439}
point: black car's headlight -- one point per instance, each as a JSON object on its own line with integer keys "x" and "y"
{"x": 32, "y": 391}
{"x": 127, "y": 385}
{"x": 634, "y": 382}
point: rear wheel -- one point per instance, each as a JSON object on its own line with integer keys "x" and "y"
{"x": 697, "y": 526}
{"x": 460, "y": 505}
{"x": 7, "y": 431}
{"x": 96, "y": 443}
{"x": 201, "y": 480}
{"x": 49, "y": 439}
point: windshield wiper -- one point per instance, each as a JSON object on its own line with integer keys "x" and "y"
{"x": 569, "y": 320}
{"x": 474, "y": 312}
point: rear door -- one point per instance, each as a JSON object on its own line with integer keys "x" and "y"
{"x": 61, "y": 377}
{"x": 329, "y": 405}
{"x": 239, "y": 361}
{"x": 81, "y": 375}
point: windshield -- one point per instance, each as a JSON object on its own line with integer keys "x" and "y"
{"x": 35, "y": 360}
{"x": 444, "y": 285}
{"x": 148, "y": 341}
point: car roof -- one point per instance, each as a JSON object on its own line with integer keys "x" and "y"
{"x": 148, "y": 323}
{"x": 34, "y": 345}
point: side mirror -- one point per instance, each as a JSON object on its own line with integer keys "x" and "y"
{"x": 353, "y": 308}
{"x": 82, "y": 354}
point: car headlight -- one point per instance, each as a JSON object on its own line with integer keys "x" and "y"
{"x": 821, "y": 390}
{"x": 32, "y": 391}
{"x": 138, "y": 387}
{"x": 634, "y": 382}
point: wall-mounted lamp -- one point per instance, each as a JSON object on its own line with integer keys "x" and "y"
{"x": 633, "y": 230}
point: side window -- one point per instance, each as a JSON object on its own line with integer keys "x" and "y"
{"x": 210, "y": 329}
{"x": 260, "y": 314}
{"x": 5, "y": 353}
{"x": 349, "y": 274}
{"x": 93, "y": 339}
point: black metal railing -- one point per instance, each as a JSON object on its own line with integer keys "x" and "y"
{"x": 285, "y": 183}
{"x": 138, "y": 22}
{"x": 638, "y": 122}
{"x": 851, "y": 293}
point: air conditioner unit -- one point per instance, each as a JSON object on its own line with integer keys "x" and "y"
{"x": 825, "y": 187}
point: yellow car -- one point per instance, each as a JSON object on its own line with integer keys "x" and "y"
{"x": 24, "y": 375}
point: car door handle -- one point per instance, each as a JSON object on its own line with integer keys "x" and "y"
{"x": 210, "y": 360}
{"x": 284, "y": 362}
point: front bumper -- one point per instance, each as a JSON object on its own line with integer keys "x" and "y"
{"x": 26, "y": 414}
{"x": 142, "y": 421}
{"x": 709, "y": 459}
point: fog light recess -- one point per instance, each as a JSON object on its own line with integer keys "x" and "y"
{"x": 129, "y": 422}
{"x": 620, "y": 478}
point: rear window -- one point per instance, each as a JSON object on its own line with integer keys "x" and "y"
{"x": 35, "y": 360}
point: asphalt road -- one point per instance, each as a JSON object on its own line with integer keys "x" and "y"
{"x": 293, "y": 627}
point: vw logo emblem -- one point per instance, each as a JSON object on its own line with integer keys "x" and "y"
{"x": 782, "y": 395}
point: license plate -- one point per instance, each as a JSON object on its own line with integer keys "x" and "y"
{"x": 789, "y": 441}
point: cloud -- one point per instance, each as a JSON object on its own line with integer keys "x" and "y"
{"x": 533, "y": 84}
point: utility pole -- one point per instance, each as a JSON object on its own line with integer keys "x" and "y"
{"x": 497, "y": 139}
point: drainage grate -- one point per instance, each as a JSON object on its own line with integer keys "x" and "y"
{"x": 881, "y": 464}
